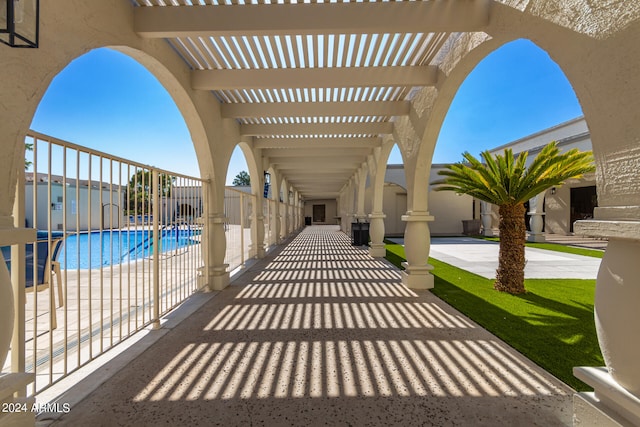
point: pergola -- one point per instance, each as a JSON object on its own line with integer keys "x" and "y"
{"x": 319, "y": 93}
{"x": 313, "y": 84}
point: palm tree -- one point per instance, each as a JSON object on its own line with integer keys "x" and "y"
{"x": 505, "y": 181}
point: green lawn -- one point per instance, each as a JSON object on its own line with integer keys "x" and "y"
{"x": 552, "y": 324}
{"x": 596, "y": 253}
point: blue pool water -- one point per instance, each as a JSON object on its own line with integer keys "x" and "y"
{"x": 113, "y": 247}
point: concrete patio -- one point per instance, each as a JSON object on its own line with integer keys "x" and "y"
{"x": 481, "y": 257}
{"x": 318, "y": 333}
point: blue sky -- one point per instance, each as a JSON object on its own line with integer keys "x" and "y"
{"x": 106, "y": 101}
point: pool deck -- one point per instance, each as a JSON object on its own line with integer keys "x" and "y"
{"x": 101, "y": 308}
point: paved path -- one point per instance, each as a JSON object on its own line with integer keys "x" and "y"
{"x": 481, "y": 257}
{"x": 319, "y": 333}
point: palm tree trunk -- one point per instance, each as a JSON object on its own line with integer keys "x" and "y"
{"x": 510, "y": 274}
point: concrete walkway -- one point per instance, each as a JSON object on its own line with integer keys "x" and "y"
{"x": 319, "y": 333}
{"x": 481, "y": 257}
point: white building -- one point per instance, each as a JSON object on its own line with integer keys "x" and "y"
{"x": 559, "y": 208}
{"x": 70, "y": 207}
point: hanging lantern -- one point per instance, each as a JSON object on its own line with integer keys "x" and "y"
{"x": 19, "y": 22}
{"x": 267, "y": 184}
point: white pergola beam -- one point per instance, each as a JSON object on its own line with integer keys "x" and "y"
{"x": 266, "y": 143}
{"x": 315, "y": 18}
{"x": 330, "y": 186}
{"x": 342, "y": 173}
{"x": 303, "y": 129}
{"x": 304, "y": 160}
{"x": 315, "y": 168}
{"x": 312, "y": 152}
{"x": 313, "y": 180}
{"x": 314, "y": 109}
{"x": 285, "y": 78}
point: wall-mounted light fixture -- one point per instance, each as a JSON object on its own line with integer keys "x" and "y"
{"x": 267, "y": 184}
{"x": 19, "y": 22}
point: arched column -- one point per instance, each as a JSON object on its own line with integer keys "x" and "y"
{"x": 340, "y": 204}
{"x": 376, "y": 231}
{"x": 350, "y": 205}
{"x": 286, "y": 217}
{"x": 600, "y": 55}
{"x": 276, "y": 183}
{"x": 417, "y": 242}
{"x": 71, "y": 29}
{"x": 277, "y": 222}
{"x": 361, "y": 186}
{"x": 283, "y": 221}
{"x": 377, "y": 216}
{"x": 253, "y": 159}
{"x": 257, "y": 225}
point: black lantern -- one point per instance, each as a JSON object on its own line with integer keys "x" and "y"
{"x": 267, "y": 184}
{"x": 19, "y": 22}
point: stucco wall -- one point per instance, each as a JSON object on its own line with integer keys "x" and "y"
{"x": 558, "y": 206}
{"x": 448, "y": 209}
{"x": 394, "y": 205}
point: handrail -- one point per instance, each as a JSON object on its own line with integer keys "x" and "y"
{"x": 80, "y": 148}
{"x": 104, "y": 304}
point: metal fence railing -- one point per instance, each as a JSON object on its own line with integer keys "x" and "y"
{"x": 239, "y": 213}
{"x": 118, "y": 245}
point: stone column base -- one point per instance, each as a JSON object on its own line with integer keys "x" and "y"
{"x": 417, "y": 277}
{"x": 377, "y": 250}
{"x": 538, "y": 238}
{"x": 17, "y": 383}
{"x": 608, "y": 405}
{"x": 217, "y": 278}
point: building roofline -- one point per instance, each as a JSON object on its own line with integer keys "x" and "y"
{"x": 539, "y": 133}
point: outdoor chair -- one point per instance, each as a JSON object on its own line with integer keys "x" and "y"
{"x": 47, "y": 268}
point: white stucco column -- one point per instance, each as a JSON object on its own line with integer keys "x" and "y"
{"x": 291, "y": 218}
{"x": 258, "y": 225}
{"x": 417, "y": 243}
{"x": 217, "y": 275}
{"x": 487, "y": 218}
{"x": 283, "y": 221}
{"x": 376, "y": 233}
{"x": 277, "y": 222}
{"x": 361, "y": 184}
{"x": 536, "y": 219}
{"x": 616, "y": 386}
{"x": 349, "y": 213}
{"x": 341, "y": 203}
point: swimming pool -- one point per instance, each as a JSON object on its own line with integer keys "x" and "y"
{"x": 112, "y": 247}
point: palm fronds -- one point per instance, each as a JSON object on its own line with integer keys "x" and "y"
{"x": 505, "y": 179}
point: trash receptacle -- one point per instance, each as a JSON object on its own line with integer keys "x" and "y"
{"x": 307, "y": 220}
{"x": 360, "y": 233}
